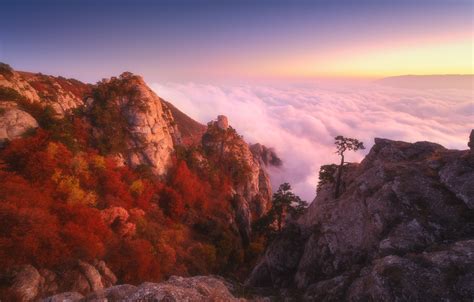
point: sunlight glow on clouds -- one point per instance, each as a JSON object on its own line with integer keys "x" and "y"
{"x": 300, "y": 123}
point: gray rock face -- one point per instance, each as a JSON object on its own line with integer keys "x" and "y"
{"x": 252, "y": 191}
{"x": 152, "y": 133}
{"x": 175, "y": 289}
{"x": 14, "y": 122}
{"x": 442, "y": 275}
{"x": 265, "y": 155}
{"x": 59, "y": 93}
{"x": 65, "y": 297}
{"x": 30, "y": 284}
{"x": 404, "y": 206}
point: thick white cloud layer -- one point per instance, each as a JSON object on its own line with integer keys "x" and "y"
{"x": 301, "y": 123}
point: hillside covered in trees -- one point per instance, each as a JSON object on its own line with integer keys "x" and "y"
{"x": 110, "y": 179}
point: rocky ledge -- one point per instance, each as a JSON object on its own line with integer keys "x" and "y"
{"x": 402, "y": 230}
{"x": 199, "y": 288}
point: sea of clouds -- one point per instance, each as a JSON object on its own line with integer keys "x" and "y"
{"x": 300, "y": 123}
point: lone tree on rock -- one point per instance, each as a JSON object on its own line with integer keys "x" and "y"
{"x": 343, "y": 144}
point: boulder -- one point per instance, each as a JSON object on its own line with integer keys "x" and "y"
{"x": 65, "y": 297}
{"x": 175, "y": 289}
{"x": 114, "y": 293}
{"x": 92, "y": 275}
{"x": 108, "y": 278}
{"x": 14, "y": 122}
{"x": 26, "y": 284}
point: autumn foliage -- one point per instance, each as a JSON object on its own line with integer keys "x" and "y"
{"x": 53, "y": 197}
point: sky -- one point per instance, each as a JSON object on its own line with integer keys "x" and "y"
{"x": 289, "y": 74}
{"x": 237, "y": 41}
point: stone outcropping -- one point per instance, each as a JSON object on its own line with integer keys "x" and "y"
{"x": 266, "y": 156}
{"x": 401, "y": 230}
{"x": 14, "y": 122}
{"x": 251, "y": 187}
{"x": 26, "y": 283}
{"x": 175, "y": 289}
{"x": 60, "y": 93}
{"x": 152, "y": 132}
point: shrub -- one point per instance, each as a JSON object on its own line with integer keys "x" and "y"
{"x": 326, "y": 175}
{"x": 6, "y": 71}
{"x": 10, "y": 94}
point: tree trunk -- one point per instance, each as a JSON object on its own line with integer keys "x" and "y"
{"x": 339, "y": 175}
{"x": 279, "y": 221}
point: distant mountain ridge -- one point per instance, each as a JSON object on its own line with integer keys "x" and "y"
{"x": 449, "y": 81}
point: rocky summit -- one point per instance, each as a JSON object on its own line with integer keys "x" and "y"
{"x": 402, "y": 230}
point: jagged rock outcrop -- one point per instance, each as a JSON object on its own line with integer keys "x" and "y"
{"x": 26, "y": 283}
{"x": 14, "y": 122}
{"x": 153, "y": 131}
{"x": 134, "y": 121}
{"x": 175, "y": 289}
{"x": 251, "y": 182}
{"x": 265, "y": 155}
{"x": 401, "y": 230}
{"x": 60, "y": 93}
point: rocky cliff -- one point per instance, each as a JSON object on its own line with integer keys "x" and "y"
{"x": 250, "y": 182}
{"x": 130, "y": 120}
{"x": 402, "y": 230}
{"x": 60, "y": 93}
{"x": 174, "y": 196}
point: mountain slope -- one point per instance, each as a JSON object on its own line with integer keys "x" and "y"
{"x": 401, "y": 230}
{"x": 120, "y": 194}
{"x": 191, "y": 131}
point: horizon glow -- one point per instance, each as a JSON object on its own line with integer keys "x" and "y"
{"x": 215, "y": 41}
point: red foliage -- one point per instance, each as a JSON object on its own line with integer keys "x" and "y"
{"x": 44, "y": 220}
{"x": 171, "y": 202}
{"x": 143, "y": 199}
{"x": 84, "y": 232}
{"x": 193, "y": 190}
{"x": 134, "y": 260}
{"x": 81, "y": 130}
{"x": 29, "y": 232}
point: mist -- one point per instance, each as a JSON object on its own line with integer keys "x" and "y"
{"x": 300, "y": 122}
